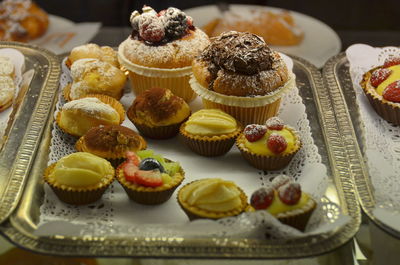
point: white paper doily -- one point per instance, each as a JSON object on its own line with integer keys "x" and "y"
{"x": 115, "y": 214}
{"x": 382, "y": 139}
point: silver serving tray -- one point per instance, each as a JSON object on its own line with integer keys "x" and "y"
{"x": 23, "y": 222}
{"x": 26, "y": 123}
{"x": 336, "y": 76}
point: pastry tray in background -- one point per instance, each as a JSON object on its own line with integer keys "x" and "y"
{"x": 26, "y": 122}
{"x": 21, "y": 227}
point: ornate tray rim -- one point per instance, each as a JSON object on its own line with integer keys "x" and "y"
{"x": 364, "y": 188}
{"x": 20, "y": 170}
{"x": 220, "y": 247}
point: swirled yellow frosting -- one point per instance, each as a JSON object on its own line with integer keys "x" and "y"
{"x": 81, "y": 170}
{"x": 215, "y": 195}
{"x": 210, "y": 122}
{"x": 394, "y": 76}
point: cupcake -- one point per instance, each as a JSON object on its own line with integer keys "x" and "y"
{"x": 210, "y": 132}
{"x": 160, "y": 50}
{"x": 92, "y": 76}
{"x": 94, "y": 51}
{"x": 157, "y": 113}
{"x": 79, "y": 178}
{"x": 78, "y": 116}
{"x": 381, "y": 85}
{"x": 284, "y": 199}
{"x": 269, "y": 146}
{"x": 211, "y": 198}
{"x": 239, "y": 74}
{"x": 149, "y": 178}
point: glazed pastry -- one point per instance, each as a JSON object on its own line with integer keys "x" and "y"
{"x": 7, "y": 92}
{"x": 211, "y": 198}
{"x": 110, "y": 141}
{"x": 78, "y": 116}
{"x": 381, "y": 85}
{"x": 210, "y": 132}
{"x": 92, "y": 76}
{"x": 160, "y": 50}
{"x": 94, "y": 51}
{"x": 79, "y": 178}
{"x": 22, "y": 20}
{"x": 239, "y": 74}
{"x": 149, "y": 178}
{"x": 269, "y": 146}
{"x": 157, "y": 113}
{"x": 284, "y": 199}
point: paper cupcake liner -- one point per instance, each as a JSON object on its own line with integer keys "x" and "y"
{"x": 160, "y": 132}
{"x": 209, "y": 146}
{"x": 298, "y": 220}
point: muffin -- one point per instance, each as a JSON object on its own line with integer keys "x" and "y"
{"x": 110, "y": 142}
{"x": 157, "y": 113}
{"x": 211, "y": 198}
{"x": 239, "y": 74}
{"x": 78, "y": 116}
{"x": 381, "y": 85}
{"x": 94, "y": 51}
{"x": 149, "y": 178}
{"x": 79, "y": 178}
{"x": 284, "y": 199}
{"x": 210, "y": 132}
{"x": 92, "y": 76}
{"x": 160, "y": 50}
{"x": 269, "y": 146}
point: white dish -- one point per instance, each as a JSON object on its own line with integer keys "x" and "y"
{"x": 319, "y": 44}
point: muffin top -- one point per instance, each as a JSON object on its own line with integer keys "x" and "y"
{"x": 158, "y": 107}
{"x": 94, "y": 51}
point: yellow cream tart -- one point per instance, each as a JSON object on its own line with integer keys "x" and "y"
{"x": 79, "y": 178}
{"x": 210, "y": 132}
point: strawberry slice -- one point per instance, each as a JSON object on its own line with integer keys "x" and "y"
{"x": 262, "y": 198}
{"x": 130, "y": 170}
{"x": 392, "y": 92}
{"x": 254, "y": 132}
{"x": 276, "y": 143}
{"x": 290, "y": 193}
{"x": 148, "y": 178}
{"x": 391, "y": 61}
{"x": 379, "y": 75}
{"x": 274, "y": 123}
{"x": 132, "y": 157}
{"x": 280, "y": 180}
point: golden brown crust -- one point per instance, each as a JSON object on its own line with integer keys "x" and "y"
{"x": 92, "y": 50}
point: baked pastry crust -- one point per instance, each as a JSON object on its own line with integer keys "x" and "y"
{"x": 94, "y": 51}
{"x": 7, "y": 92}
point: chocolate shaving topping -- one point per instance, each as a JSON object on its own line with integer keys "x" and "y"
{"x": 239, "y": 52}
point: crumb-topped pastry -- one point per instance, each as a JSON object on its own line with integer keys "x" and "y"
{"x": 211, "y": 198}
{"x": 94, "y": 51}
{"x": 7, "y": 85}
{"x": 22, "y": 20}
{"x": 210, "y": 132}
{"x": 269, "y": 146}
{"x": 93, "y": 76}
{"x": 241, "y": 75}
{"x": 157, "y": 113}
{"x": 149, "y": 178}
{"x": 284, "y": 199}
{"x": 160, "y": 50}
{"x": 79, "y": 178}
{"x": 78, "y": 116}
{"x": 381, "y": 85}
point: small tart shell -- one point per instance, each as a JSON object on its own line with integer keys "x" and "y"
{"x": 196, "y": 213}
{"x": 266, "y": 162}
{"x": 209, "y": 145}
{"x": 75, "y": 195}
{"x": 388, "y": 110}
{"x": 149, "y": 195}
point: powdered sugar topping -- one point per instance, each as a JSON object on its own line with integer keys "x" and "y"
{"x": 90, "y": 105}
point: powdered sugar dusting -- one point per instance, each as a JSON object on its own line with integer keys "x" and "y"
{"x": 281, "y": 180}
{"x": 92, "y": 106}
{"x": 7, "y": 89}
{"x": 6, "y": 66}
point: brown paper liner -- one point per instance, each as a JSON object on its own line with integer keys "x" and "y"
{"x": 160, "y": 132}
{"x": 298, "y": 221}
{"x": 255, "y": 115}
{"x": 209, "y": 145}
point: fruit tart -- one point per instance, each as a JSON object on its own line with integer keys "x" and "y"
{"x": 149, "y": 178}
{"x": 269, "y": 146}
{"x": 381, "y": 85}
{"x": 160, "y": 50}
{"x": 284, "y": 199}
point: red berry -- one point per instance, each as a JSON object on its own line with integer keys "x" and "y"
{"x": 379, "y": 75}
{"x": 275, "y": 123}
{"x": 290, "y": 193}
{"x": 130, "y": 170}
{"x": 391, "y": 61}
{"x": 148, "y": 178}
{"x": 254, "y": 132}
{"x": 262, "y": 198}
{"x": 280, "y": 180}
{"x": 151, "y": 28}
{"x": 132, "y": 157}
{"x": 189, "y": 21}
{"x": 392, "y": 92}
{"x": 276, "y": 143}
{"x": 161, "y": 13}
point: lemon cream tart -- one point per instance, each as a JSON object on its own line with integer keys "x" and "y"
{"x": 210, "y": 132}
{"x": 211, "y": 198}
{"x": 79, "y": 178}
